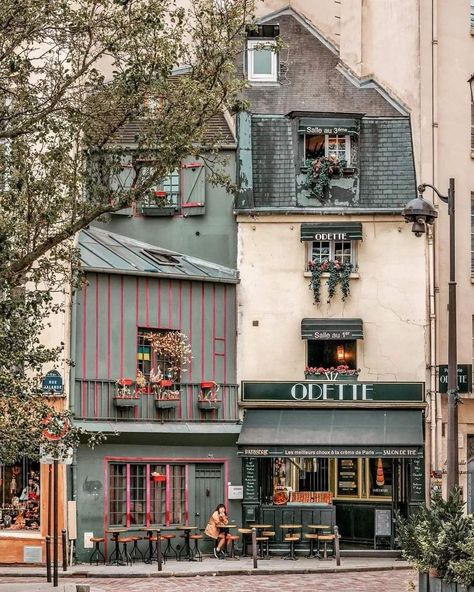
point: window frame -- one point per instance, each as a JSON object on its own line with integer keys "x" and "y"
{"x": 251, "y": 76}
{"x": 326, "y": 145}
{"x": 332, "y": 252}
{"x": 154, "y": 361}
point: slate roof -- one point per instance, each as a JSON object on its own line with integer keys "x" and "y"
{"x": 108, "y": 252}
{"x": 273, "y": 162}
{"x": 387, "y": 169}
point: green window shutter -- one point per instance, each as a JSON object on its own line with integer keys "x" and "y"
{"x": 193, "y": 188}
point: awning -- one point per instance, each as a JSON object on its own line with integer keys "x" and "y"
{"x": 332, "y": 433}
{"x": 327, "y": 231}
{"x": 326, "y": 125}
{"x": 331, "y": 329}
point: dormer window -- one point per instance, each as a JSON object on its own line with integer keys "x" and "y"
{"x": 262, "y": 62}
{"x": 328, "y": 137}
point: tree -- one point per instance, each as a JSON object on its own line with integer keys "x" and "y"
{"x": 73, "y": 75}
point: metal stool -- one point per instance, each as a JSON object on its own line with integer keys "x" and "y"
{"x": 136, "y": 552}
{"x": 270, "y": 534}
{"x": 169, "y": 547}
{"x": 292, "y": 539}
{"x": 195, "y": 550}
{"x": 327, "y": 538}
{"x": 246, "y": 533}
{"x": 260, "y": 540}
{"x": 311, "y": 537}
{"x": 125, "y": 553}
{"x": 154, "y": 555}
{"x": 97, "y": 553}
{"x": 232, "y": 538}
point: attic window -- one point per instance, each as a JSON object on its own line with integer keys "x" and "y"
{"x": 262, "y": 61}
{"x": 161, "y": 258}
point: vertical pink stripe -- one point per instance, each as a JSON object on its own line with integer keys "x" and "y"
{"x": 186, "y": 494}
{"x": 127, "y": 488}
{"x": 190, "y": 391}
{"x": 137, "y": 323}
{"x": 203, "y": 337}
{"x": 180, "y": 308}
{"x": 170, "y": 304}
{"x": 159, "y": 303}
{"x": 109, "y": 326}
{"x": 84, "y": 352}
{"x": 225, "y": 334}
{"x": 148, "y": 495}
{"x": 97, "y": 353}
{"x": 147, "y": 302}
{"x": 121, "y": 326}
{"x": 213, "y": 331}
{"x": 226, "y": 481}
{"x": 168, "y": 493}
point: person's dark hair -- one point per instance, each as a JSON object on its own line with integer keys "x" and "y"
{"x": 221, "y": 506}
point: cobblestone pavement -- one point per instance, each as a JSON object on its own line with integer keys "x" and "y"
{"x": 387, "y": 581}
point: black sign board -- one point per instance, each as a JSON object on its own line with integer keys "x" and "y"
{"x": 320, "y": 125}
{"x": 53, "y": 383}
{"x": 326, "y": 451}
{"x": 250, "y": 479}
{"x": 464, "y": 378}
{"x": 348, "y": 476}
{"x": 417, "y": 480}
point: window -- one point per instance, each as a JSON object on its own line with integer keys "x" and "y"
{"x": 332, "y": 353}
{"x": 138, "y": 499}
{"x": 20, "y": 496}
{"x": 148, "y": 359}
{"x": 171, "y": 185}
{"x": 364, "y": 478}
{"x": 261, "y": 61}
{"x": 342, "y": 251}
{"x": 318, "y": 146}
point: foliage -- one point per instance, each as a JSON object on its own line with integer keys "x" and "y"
{"x": 339, "y": 273}
{"x": 173, "y": 346}
{"x": 341, "y": 369}
{"x": 439, "y": 537}
{"x": 319, "y": 175}
{"x": 71, "y": 75}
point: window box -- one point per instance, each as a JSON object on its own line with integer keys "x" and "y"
{"x": 193, "y": 209}
{"x": 171, "y": 403}
{"x": 205, "y": 404}
{"x": 330, "y": 376}
{"x": 152, "y": 210}
{"x": 127, "y": 402}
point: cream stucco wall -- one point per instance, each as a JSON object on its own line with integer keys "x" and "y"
{"x": 274, "y": 291}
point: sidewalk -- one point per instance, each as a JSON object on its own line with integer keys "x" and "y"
{"x": 211, "y": 566}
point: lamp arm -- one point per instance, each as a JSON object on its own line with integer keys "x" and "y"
{"x": 423, "y": 186}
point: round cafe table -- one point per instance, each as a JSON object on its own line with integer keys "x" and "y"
{"x": 319, "y": 527}
{"x": 221, "y": 528}
{"x": 151, "y": 555}
{"x": 116, "y": 556}
{"x": 291, "y": 528}
{"x": 186, "y": 548}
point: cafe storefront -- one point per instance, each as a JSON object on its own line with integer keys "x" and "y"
{"x": 335, "y": 453}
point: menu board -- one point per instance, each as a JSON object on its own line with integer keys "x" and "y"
{"x": 417, "y": 480}
{"x": 348, "y": 476}
{"x": 250, "y": 479}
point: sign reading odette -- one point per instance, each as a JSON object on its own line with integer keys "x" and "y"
{"x": 326, "y": 392}
{"x": 464, "y": 378}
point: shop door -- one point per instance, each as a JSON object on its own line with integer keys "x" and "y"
{"x": 209, "y": 492}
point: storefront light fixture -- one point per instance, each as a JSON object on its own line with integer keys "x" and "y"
{"x": 340, "y": 353}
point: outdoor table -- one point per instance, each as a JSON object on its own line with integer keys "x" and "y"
{"x": 116, "y": 557}
{"x": 221, "y": 528}
{"x": 260, "y": 527}
{"x": 149, "y": 531}
{"x": 291, "y": 528}
{"x": 319, "y": 527}
{"x": 186, "y": 547}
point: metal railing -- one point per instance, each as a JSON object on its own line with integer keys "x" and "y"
{"x": 95, "y": 399}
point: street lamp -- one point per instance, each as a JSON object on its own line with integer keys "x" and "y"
{"x": 421, "y": 213}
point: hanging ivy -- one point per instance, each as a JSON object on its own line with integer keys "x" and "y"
{"x": 339, "y": 273}
{"x": 320, "y": 173}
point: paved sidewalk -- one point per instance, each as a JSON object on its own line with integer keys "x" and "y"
{"x": 213, "y": 567}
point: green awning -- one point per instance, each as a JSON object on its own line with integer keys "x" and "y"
{"x": 332, "y": 433}
{"x": 332, "y": 329}
{"x": 326, "y": 125}
{"x": 327, "y": 231}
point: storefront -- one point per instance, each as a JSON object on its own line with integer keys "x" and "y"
{"x": 340, "y": 453}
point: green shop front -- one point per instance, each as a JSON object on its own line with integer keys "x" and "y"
{"x": 333, "y": 453}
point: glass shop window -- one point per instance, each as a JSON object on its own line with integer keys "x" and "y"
{"x": 299, "y": 480}
{"x": 20, "y": 496}
{"x": 332, "y": 353}
{"x": 380, "y": 477}
{"x": 361, "y": 478}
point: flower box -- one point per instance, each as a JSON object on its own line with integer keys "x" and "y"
{"x": 205, "y": 404}
{"x": 152, "y": 210}
{"x": 165, "y": 383}
{"x": 126, "y": 401}
{"x": 331, "y": 377}
{"x": 167, "y": 403}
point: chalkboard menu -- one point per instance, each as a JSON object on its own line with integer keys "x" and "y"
{"x": 417, "y": 487}
{"x": 348, "y": 476}
{"x": 250, "y": 479}
{"x": 383, "y": 523}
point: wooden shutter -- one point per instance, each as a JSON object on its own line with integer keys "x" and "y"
{"x": 193, "y": 188}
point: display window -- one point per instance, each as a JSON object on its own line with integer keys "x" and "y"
{"x": 370, "y": 478}
{"x": 20, "y": 496}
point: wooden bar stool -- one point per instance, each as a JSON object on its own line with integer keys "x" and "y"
{"x": 97, "y": 553}
{"x": 195, "y": 550}
{"x": 312, "y": 538}
{"x": 327, "y": 539}
{"x": 125, "y": 553}
{"x": 292, "y": 539}
{"x": 246, "y": 534}
{"x": 232, "y": 538}
{"x": 269, "y": 534}
{"x": 169, "y": 547}
{"x": 136, "y": 552}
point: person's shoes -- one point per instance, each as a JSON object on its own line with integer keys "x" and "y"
{"x": 216, "y": 553}
{"x": 222, "y": 555}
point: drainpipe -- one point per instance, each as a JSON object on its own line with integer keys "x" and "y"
{"x": 433, "y": 387}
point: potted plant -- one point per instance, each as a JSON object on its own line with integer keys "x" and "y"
{"x": 338, "y": 274}
{"x": 158, "y": 477}
{"x": 125, "y": 396}
{"x": 333, "y": 373}
{"x": 157, "y": 203}
{"x": 165, "y": 396}
{"x": 208, "y": 396}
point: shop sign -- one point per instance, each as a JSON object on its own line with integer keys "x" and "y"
{"x": 333, "y": 451}
{"x": 464, "y": 378}
{"x": 333, "y": 391}
{"x": 53, "y": 383}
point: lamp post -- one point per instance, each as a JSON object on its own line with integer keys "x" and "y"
{"x": 420, "y": 213}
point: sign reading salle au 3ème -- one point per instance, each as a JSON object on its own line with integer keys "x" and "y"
{"x": 325, "y": 392}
